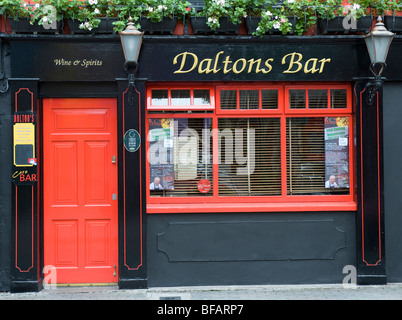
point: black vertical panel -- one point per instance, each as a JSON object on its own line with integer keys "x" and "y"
{"x": 24, "y": 263}
{"x": 132, "y": 212}
{"x": 370, "y": 215}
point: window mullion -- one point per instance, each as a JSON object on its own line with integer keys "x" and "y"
{"x": 215, "y": 157}
{"x": 283, "y": 157}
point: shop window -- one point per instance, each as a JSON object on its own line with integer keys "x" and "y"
{"x": 260, "y": 148}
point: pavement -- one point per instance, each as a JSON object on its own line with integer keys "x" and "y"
{"x": 391, "y": 291}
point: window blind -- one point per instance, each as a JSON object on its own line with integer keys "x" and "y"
{"x": 305, "y": 157}
{"x": 249, "y": 156}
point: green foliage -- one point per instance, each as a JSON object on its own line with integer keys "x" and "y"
{"x": 285, "y": 16}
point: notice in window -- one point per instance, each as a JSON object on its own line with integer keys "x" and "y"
{"x": 337, "y": 152}
{"x": 160, "y": 154}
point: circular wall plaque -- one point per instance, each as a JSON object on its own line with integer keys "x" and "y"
{"x": 132, "y": 140}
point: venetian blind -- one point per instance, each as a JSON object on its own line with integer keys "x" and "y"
{"x": 305, "y": 155}
{"x": 249, "y": 156}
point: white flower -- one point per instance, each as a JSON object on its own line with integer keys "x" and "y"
{"x": 212, "y": 20}
{"x": 162, "y": 7}
{"x": 37, "y": 6}
{"x": 93, "y": 2}
{"x": 220, "y": 2}
{"x": 356, "y": 6}
{"x": 268, "y": 13}
{"x": 96, "y": 11}
{"x": 45, "y": 19}
{"x": 276, "y": 25}
{"x": 291, "y": 1}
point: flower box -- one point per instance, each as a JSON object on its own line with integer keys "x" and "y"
{"x": 105, "y": 26}
{"x": 337, "y": 25}
{"x": 23, "y": 25}
{"x": 166, "y": 26}
{"x": 393, "y": 23}
{"x": 199, "y": 26}
{"x": 252, "y": 23}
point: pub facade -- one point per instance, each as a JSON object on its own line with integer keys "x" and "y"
{"x": 227, "y": 160}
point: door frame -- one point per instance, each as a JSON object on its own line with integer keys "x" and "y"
{"x": 114, "y": 249}
{"x": 132, "y": 253}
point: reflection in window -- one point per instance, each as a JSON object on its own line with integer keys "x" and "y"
{"x": 180, "y": 155}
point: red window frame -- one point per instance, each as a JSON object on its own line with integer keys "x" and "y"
{"x": 282, "y": 203}
{"x": 320, "y": 111}
{"x": 259, "y": 111}
{"x": 170, "y": 107}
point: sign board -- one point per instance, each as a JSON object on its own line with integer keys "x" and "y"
{"x": 24, "y": 154}
{"x": 337, "y": 152}
{"x": 204, "y": 186}
{"x": 24, "y": 144}
{"x": 161, "y": 153}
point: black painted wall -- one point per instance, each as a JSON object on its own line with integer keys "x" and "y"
{"x": 5, "y": 173}
{"x": 392, "y": 179}
{"x": 250, "y": 248}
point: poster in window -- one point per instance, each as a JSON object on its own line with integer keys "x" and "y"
{"x": 337, "y": 152}
{"x": 160, "y": 153}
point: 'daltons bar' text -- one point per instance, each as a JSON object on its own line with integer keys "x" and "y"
{"x": 293, "y": 62}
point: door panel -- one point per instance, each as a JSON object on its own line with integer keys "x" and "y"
{"x": 80, "y": 215}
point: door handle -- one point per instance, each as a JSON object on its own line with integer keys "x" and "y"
{"x": 113, "y": 159}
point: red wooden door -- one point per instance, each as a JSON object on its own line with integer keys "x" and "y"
{"x": 80, "y": 189}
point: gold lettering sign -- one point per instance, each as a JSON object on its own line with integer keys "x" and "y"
{"x": 293, "y": 62}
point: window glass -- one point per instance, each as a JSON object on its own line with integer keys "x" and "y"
{"x": 318, "y": 99}
{"x": 179, "y": 155}
{"x": 180, "y": 97}
{"x": 338, "y": 98}
{"x": 317, "y": 153}
{"x": 249, "y": 99}
{"x": 297, "y": 99}
{"x": 269, "y": 99}
{"x": 159, "y": 97}
{"x": 201, "y": 97}
{"x": 228, "y": 99}
{"x": 249, "y": 156}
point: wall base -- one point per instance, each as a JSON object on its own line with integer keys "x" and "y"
{"x": 25, "y": 286}
{"x": 133, "y": 284}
